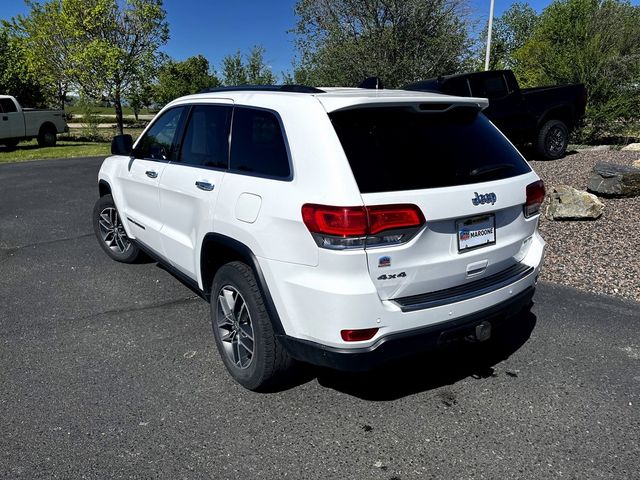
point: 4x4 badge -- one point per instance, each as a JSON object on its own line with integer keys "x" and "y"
{"x": 482, "y": 198}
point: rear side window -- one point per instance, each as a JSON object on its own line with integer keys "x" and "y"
{"x": 257, "y": 144}
{"x": 7, "y": 105}
{"x": 393, "y": 149}
{"x": 206, "y": 142}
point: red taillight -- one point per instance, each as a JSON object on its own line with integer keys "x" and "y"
{"x": 391, "y": 217}
{"x": 352, "y": 227}
{"x": 340, "y": 221}
{"x": 358, "y": 335}
{"x": 535, "y": 197}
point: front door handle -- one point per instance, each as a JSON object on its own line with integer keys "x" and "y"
{"x": 5, "y": 118}
{"x": 206, "y": 186}
{"x": 151, "y": 174}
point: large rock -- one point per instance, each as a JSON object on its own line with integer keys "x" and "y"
{"x": 632, "y": 147}
{"x": 612, "y": 180}
{"x": 566, "y": 203}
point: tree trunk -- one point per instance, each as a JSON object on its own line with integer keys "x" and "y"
{"x": 62, "y": 94}
{"x": 117, "y": 103}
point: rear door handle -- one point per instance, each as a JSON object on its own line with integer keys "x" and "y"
{"x": 206, "y": 186}
{"x": 151, "y": 174}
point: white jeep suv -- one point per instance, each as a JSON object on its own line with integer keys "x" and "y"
{"x": 339, "y": 227}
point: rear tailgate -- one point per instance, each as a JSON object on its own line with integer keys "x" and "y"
{"x": 435, "y": 259}
{"x": 464, "y": 175}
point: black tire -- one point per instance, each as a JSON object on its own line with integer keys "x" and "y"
{"x": 117, "y": 245}
{"x": 269, "y": 364}
{"x": 10, "y": 144}
{"x": 552, "y": 140}
{"x": 47, "y": 136}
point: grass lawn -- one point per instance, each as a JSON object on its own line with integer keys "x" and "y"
{"x": 71, "y": 145}
{"x": 64, "y": 149}
{"x": 107, "y": 110}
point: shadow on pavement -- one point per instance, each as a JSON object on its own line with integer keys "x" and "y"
{"x": 531, "y": 155}
{"x": 445, "y": 366}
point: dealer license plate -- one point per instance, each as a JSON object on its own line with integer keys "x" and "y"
{"x": 476, "y": 232}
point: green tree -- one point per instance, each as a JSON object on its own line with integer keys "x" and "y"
{"x": 511, "y": 31}
{"x": 103, "y": 47}
{"x": 233, "y": 71}
{"x": 341, "y": 42}
{"x": 16, "y": 77}
{"x": 253, "y": 71}
{"x": 46, "y": 48}
{"x": 595, "y": 42}
{"x": 140, "y": 96}
{"x": 176, "y": 79}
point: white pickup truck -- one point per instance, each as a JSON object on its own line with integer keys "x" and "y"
{"x": 17, "y": 123}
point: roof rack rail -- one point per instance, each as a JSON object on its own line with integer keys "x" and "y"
{"x": 264, "y": 88}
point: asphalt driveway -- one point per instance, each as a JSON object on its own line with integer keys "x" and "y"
{"x": 110, "y": 371}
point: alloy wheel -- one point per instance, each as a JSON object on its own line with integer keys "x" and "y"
{"x": 555, "y": 141}
{"x": 235, "y": 327}
{"x": 112, "y": 231}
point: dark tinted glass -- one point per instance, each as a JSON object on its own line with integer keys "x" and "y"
{"x": 393, "y": 149}
{"x": 257, "y": 144}
{"x": 206, "y": 141}
{"x": 7, "y": 106}
{"x": 458, "y": 86}
{"x": 158, "y": 142}
{"x": 493, "y": 86}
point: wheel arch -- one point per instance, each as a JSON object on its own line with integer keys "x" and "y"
{"x": 47, "y": 126}
{"x": 104, "y": 188}
{"x": 216, "y": 251}
{"x": 563, "y": 113}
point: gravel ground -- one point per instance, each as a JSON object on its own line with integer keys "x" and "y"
{"x": 600, "y": 256}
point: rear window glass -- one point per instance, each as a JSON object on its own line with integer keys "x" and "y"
{"x": 7, "y": 105}
{"x": 392, "y": 149}
{"x": 493, "y": 86}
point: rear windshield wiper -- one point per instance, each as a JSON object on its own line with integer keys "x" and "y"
{"x": 483, "y": 170}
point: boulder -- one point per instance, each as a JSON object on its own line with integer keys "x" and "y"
{"x": 632, "y": 147}
{"x": 636, "y": 163}
{"x": 567, "y": 203}
{"x": 612, "y": 180}
{"x": 592, "y": 148}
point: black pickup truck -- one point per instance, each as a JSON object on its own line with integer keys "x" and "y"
{"x": 543, "y": 116}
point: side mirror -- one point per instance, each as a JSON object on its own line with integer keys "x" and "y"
{"x": 122, "y": 145}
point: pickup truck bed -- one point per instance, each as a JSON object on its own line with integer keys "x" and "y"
{"x": 17, "y": 123}
{"x": 542, "y": 116}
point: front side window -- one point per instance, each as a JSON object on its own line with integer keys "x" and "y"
{"x": 206, "y": 142}
{"x": 159, "y": 141}
{"x": 257, "y": 144}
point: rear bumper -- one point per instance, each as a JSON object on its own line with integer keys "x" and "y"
{"x": 407, "y": 343}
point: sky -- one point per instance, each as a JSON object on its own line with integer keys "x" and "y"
{"x": 218, "y": 28}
